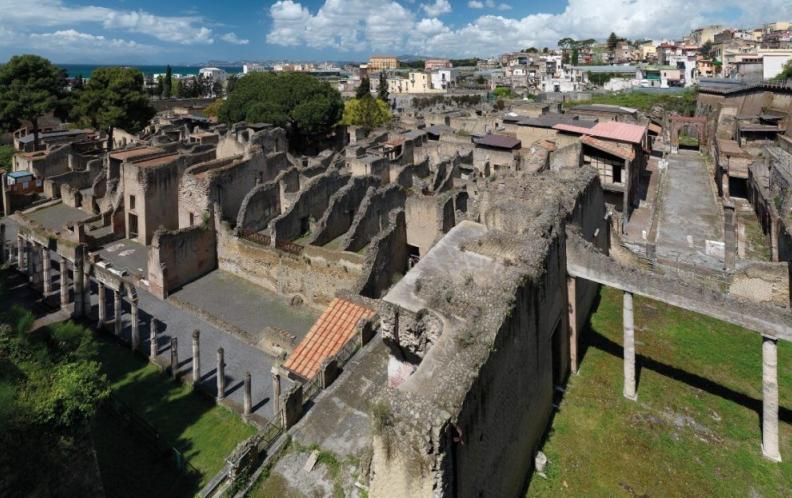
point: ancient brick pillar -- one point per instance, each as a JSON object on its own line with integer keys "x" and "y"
{"x": 78, "y": 281}
{"x": 247, "y": 401}
{"x": 770, "y": 399}
{"x": 220, "y": 374}
{"x": 153, "y": 350}
{"x": 174, "y": 357}
{"x": 276, "y": 389}
{"x": 573, "y": 332}
{"x": 629, "y": 348}
{"x": 135, "y": 328}
{"x": 102, "y": 296}
{"x": 64, "y": 282}
{"x": 46, "y": 270}
{"x": 20, "y": 253}
{"x": 117, "y": 313}
{"x": 196, "y": 357}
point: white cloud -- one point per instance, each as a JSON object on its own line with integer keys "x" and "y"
{"x": 74, "y": 40}
{"x": 376, "y": 25}
{"x": 439, "y": 7}
{"x": 234, "y": 39}
{"x": 26, "y": 16}
{"x": 504, "y": 6}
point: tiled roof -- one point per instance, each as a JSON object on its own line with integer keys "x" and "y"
{"x": 622, "y": 132}
{"x": 327, "y": 337}
{"x": 609, "y": 147}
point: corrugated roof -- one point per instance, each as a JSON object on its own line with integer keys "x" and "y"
{"x": 331, "y": 332}
{"x": 621, "y": 132}
{"x": 499, "y": 141}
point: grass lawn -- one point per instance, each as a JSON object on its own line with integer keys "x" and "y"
{"x": 204, "y": 432}
{"x": 696, "y": 427}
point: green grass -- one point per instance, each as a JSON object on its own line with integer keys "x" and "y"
{"x": 695, "y": 429}
{"x": 204, "y": 432}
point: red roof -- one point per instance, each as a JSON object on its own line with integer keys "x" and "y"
{"x": 613, "y": 130}
{"x": 331, "y": 332}
{"x": 609, "y": 147}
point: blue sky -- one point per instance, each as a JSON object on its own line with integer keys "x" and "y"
{"x": 193, "y": 31}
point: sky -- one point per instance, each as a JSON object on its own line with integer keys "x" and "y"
{"x": 195, "y": 31}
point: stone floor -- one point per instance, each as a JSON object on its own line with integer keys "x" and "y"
{"x": 234, "y": 300}
{"x": 690, "y": 220}
{"x": 126, "y": 255}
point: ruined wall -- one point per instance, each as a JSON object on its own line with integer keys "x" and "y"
{"x": 428, "y": 218}
{"x": 259, "y": 207}
{"x": 570, "y": 156}
{"x": 386, "y": 259}
{"x": 494, "y": 158}
{"x": 372, "y": 216}
{"x": 309, "y": 207}
{"x": 766, "y": 283}
{"x": 342, "y": 208}
{"x": 315, "y": 275}
{"x": 178, "y": 257}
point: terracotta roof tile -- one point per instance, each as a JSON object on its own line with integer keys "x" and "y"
{"x": 609, "y": 147}
{"x": 328, "y": 335}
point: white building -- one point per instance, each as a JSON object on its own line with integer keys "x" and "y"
{"x": 213, "y": 73}
{"x": 773, "y": 61}
{"x": 252, "y": 68}
{"x": 443, "y": 79}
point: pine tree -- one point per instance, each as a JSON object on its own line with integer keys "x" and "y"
{"x": 364, "y": 88}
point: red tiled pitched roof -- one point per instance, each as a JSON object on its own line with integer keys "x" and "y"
{"x": 609, "y": 147}
{"x": 623, "y": 132}
{"x": 327, "y": 337}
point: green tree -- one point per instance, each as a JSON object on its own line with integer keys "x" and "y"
{"x": 231, "y": 83}
{"x": 213, "y": 109}
{"x": 366, "y": 112}
{"x": 613, "y": 41}
{"x": 168, "y": 83}
{"x": 79, "y": 83}
{"x": 160, "y": 87}
{"x": 30, "y": 87}
{"x": 382, "y": 91}
{"x": 305, "y": 106}
{"x": 786, "y": 72}
{"x": 114, "y": 98}
{"x": 364, "y": 88}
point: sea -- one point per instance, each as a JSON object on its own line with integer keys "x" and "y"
{"x": 85, "y": 70}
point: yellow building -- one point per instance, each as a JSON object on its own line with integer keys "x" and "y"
{"x": 380, "y": 62}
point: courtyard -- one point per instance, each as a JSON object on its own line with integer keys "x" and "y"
{"x": 696, "y": 426}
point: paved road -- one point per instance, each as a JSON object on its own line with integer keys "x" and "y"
{"x": 689, "y": 214}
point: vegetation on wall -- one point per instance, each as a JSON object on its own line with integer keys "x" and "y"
{"x": 458, "y": 100}
{"x": 786, "y": 72}
{"x": 681, "y": 103}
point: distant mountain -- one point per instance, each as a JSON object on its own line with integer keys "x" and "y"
{"x": 411, "y": 58}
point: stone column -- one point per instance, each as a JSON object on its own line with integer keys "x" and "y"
{"x": 78, "y": 281}
{"x": 87, "y": 292}
{"x": 64, "y": 282}
{"x": 774, "y": 239}
{"x": 770, "y": 399}
{"x": 629, "y": 348}
{"x": 220, "y": 374}
{"x": 102, "y": 294}
{"x": 248, "y": 404}
{"x": 46, "y": 270}
{"x": 573, "y": 332}
{"x": 20, "y": 253}
{"x": 2, "y": 243}
{"x": 276, "y": 389}
{"x": 174, "y": 357}
{"x": 35, "y": 265}
{"x": 135, "y": 326}
{"x": 153, "y": 350}
{"x": 117, "y": 313}
{"x": 28, "y": 260}
{"x": 196, "y": 359}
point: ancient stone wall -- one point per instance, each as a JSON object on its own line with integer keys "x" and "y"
{"x": 309, "y": 207}
{"x": 386, "y": 259}
{"x": 259, "y": 207}
{"x": 570, "y": 156}
{"x": 341, "y": 212}
{"x": 372, "y": 216}
{"x": 428, "y": 218}
{"x": 315, "y": 275}
{"x": 178, "y": 257}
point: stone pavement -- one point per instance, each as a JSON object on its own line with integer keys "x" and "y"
{"x": 689, "y": 216}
